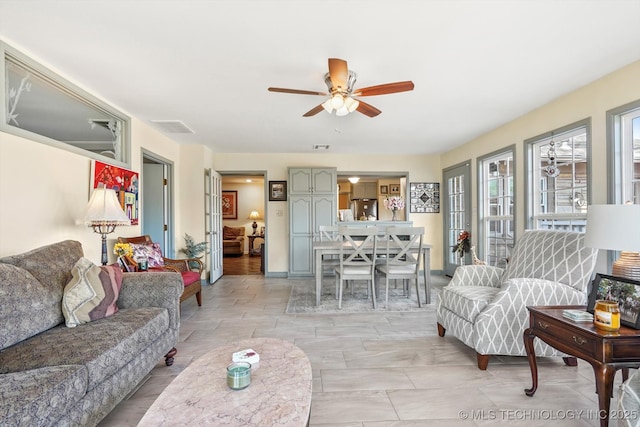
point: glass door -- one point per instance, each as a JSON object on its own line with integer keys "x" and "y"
{"x": 213, "y": 223}
{"x": 457, "y": 212}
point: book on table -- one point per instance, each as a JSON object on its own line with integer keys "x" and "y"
{"x": 578, "y": 315}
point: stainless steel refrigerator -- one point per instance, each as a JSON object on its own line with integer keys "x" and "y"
{"x": 364, "y": 208}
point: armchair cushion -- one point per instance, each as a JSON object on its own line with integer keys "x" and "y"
{"x": 467, "y": 301}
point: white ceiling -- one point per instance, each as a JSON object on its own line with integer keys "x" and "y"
{"x": 476, "y": 64}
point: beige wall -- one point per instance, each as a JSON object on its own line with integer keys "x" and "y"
{"x": 591, "y": 101}
{"x": 419, "y": 168}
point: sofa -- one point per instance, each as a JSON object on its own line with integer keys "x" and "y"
{"x": 485, "y": 307}
{"x": 232, "y": 240}
{"x": 55, "y": 375}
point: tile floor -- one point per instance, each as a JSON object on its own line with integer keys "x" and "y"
{"x": 381, "y": 369}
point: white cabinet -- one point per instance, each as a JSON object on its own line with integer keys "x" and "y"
{"x": 312, "y": 202}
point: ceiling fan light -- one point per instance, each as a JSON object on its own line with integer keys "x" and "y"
{"x": 327, "y": 106}
{"x": 351, "y": 104}
{"x": 337, "y": 101}
{"x": 342, "y": 111}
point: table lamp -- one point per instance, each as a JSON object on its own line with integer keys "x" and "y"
{"x": 104, "y": 213}
{"x": 254, "y": 215}
{"x": 616, "y": 227}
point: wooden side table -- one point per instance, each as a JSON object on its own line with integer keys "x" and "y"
{"x": 252, "y": 238}
{"x": 605, "y": 351}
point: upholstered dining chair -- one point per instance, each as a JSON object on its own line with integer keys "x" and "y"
{"x": 357, "y": 258}
{"x": 189, "y": 268}
{"x": 402, "y": 261}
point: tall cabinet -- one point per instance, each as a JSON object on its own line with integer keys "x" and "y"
{"x": 312, "y": 202}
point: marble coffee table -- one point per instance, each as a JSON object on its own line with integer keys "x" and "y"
{"x": 279, "y": 394}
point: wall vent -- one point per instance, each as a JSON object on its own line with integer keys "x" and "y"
{"x": 321, "y": 147}
{"x": 172, "y": 126}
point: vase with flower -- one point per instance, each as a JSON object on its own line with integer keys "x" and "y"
{"x": 123, "y": 251}
{"x": 394, "y": 204}
{"x": 463, "y": 245}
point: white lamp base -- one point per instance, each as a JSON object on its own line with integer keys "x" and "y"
{"x": 628, "y": 265}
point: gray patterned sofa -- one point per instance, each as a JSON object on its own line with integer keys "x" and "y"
{"x": 54, "y": 375}
{"x": 485, "y": 307}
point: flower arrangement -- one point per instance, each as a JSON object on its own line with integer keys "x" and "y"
{"x": 394, "y": 203}
{"x": 464, "y": 243}
{"x": 122, "y": 249}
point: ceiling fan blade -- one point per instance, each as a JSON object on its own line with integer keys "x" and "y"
{"x": 313, "y": 111}
{"x": 384, "y": 89}
{"x": 296, "y": 91}
{"x": 339, "y": 73}
{"x": 367, "y": 109}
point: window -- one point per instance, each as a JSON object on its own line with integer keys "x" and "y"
{"x": 496, "y": 207}
{"x": 40, "y": 105}
{"x": 558, "y": 178}
{"x": 625, "y": 153}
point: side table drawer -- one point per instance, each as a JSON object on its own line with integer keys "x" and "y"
{"x": 565, "y": 339}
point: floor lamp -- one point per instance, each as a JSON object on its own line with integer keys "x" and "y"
{"x": 104, "y": 214}
{"x": 617, "y": 228}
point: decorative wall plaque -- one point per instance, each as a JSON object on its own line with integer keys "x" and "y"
{"x": 424, "y": 197}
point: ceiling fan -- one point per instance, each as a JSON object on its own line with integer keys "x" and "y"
{"x": 340, "y": 81}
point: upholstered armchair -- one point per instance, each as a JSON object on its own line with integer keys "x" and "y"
{"x": 485, "y": 307}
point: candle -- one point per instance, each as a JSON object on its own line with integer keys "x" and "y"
{"x": 239, "y": 375}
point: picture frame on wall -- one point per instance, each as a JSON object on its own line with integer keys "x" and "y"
{"x": 230, "y": 204}
{"x": 384, "y": 189}
{"x": 125, "y": 182}
{"x": 394, "y": 189}
{"x": 277, "y": 191}
{"x": 625, "y": 291}
{"x": 424, "y": 197}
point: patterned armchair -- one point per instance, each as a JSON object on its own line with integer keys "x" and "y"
{"x": 485, "y": 307}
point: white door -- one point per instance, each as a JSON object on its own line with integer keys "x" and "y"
{"x": 213, "y": 223}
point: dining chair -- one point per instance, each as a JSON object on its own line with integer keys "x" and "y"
{"x": 403, "y": 249}
{"x": 357, "y": 259}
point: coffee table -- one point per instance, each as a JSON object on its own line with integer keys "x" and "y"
{"x": 279, "y": 394}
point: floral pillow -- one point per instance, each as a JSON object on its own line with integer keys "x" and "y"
{"x": 151, "y": 251}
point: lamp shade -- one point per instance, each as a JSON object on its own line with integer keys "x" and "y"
{"x": 613, "y": 227}
{"x": 104, "y": 209}
{"x": 254, "y": 215}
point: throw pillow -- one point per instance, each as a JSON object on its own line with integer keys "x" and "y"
{"x": 152, "y": 252}
{"x": 229, "y": 233}
{"x": 92, "y": 293}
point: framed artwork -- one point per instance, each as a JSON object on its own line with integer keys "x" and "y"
{"x": 625, "y": 291}
{"x": 424, "y": 197}
{"x": 123, "y": 181}
{"x": 277, "y": 191}
{"x": 394, "y": 189}
{"x": 384, "y": 189}
{"x": 230, "y": 204}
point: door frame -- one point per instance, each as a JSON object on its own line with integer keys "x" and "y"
{"x": 168, "y": 202}
{"x": 265, "y": 190}
{"x": 460, "y": 169}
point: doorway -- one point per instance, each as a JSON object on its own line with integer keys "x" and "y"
{"x": 157, "y": 200}
{"x": 457, "y": 212}
{"x": 249, "y": 193}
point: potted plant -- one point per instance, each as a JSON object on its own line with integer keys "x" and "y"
{"x": 193, "y": 249}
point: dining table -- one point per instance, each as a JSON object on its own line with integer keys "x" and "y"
{"x": 323, "y": 248}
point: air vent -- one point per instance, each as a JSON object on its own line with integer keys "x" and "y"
{"x": 172, "y": 126}
{"x": 320, "y": 147}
